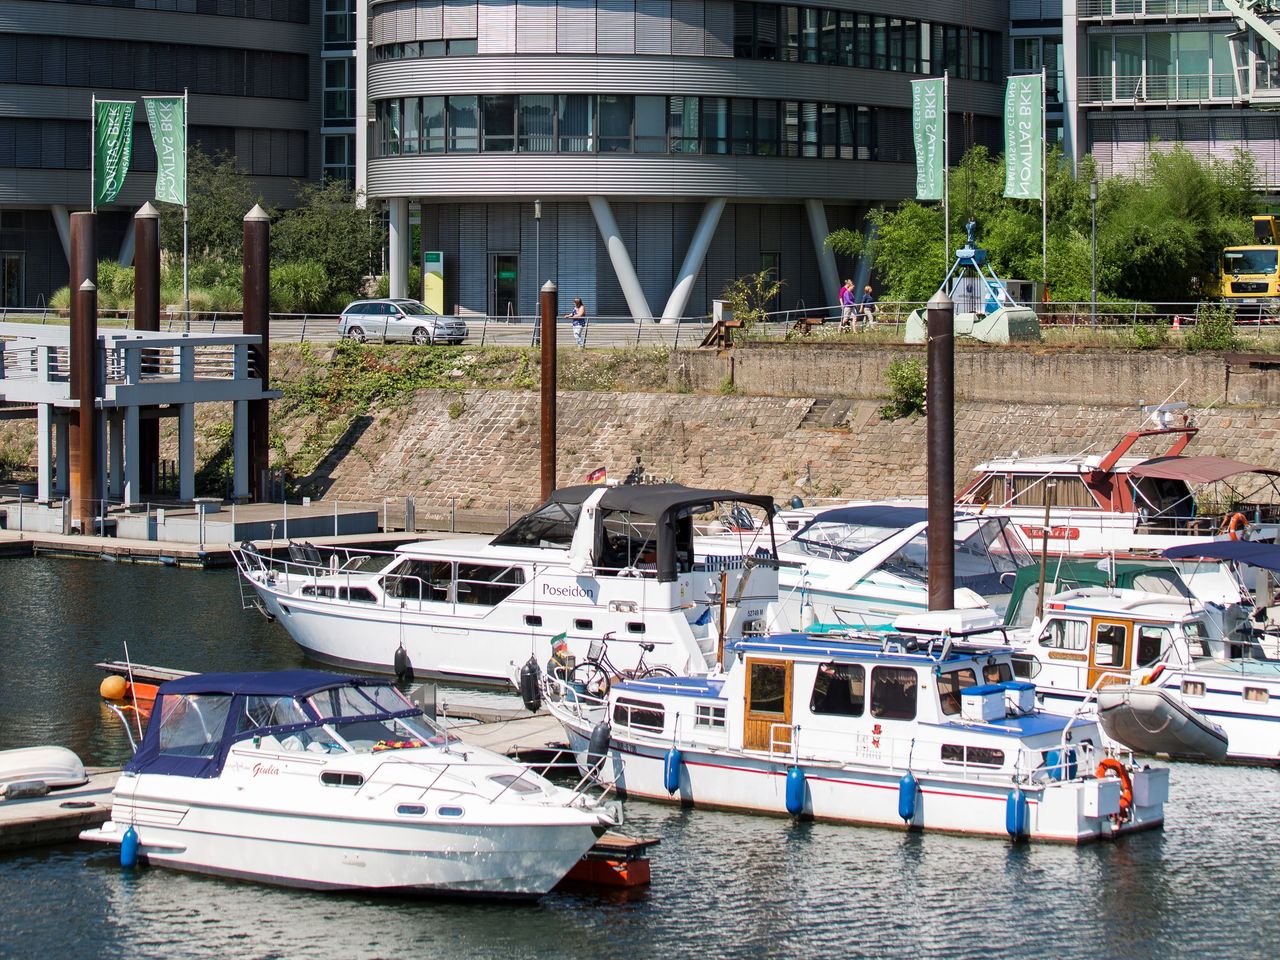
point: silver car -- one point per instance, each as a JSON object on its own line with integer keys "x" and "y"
{"x": 398, "y": 320}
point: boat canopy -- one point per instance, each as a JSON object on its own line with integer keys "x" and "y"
{"x": 1063, "y": 574}
{"x": 1196, "y": 469}
{"x": 872, "y": 515}
{"x": 196, "y": 719}
{"x": 1265, "y": 555}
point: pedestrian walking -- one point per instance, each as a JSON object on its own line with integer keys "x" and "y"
{"x": 867, "y": 306}
{"x": 847, "y": 305}
{"x": 578, "y": 315}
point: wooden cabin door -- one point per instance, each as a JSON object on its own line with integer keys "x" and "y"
{"x": 1109, "y": 651}
{"x": 766, "y": 721}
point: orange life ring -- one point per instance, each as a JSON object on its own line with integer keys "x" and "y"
{"x": 1112, "y": 765}
{"x": 1234, "y": 524}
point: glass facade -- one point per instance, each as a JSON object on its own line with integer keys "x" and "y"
{"x": 1160, "y": 64}
{"x": 621, "y": 123}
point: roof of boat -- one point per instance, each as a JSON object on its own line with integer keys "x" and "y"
{"x": 891, "y": 646}
{"x": 686, "y": 686}
{"x": 654, "y": 499}
{"x": 295, "y": 683}
{"x": 1053, "y": 463}
{"x": 871, "y": 515}
{"x": 1117, "y": 600}
{"x": 1254, "y": 553}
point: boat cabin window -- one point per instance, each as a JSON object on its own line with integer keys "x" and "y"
{"x": 975, "y": 756}
{"x": 1068, "y": 491}
{"x": 312, "y": 590}
{"x": 357, "y": 595}
{"x": 839, "y": 689}
{"x": 191, "y": 725}
{"x": 768, "y": 688}
{"x": 1162, "y": 502}
{"x": 1109, "y": 645}
{"x": 1065, "y": 635}
{"x": 986, "y": 555}
{"x": 487, "y": 585}
{"x": 1256, "y": 694}
{"x": 551, "y": 525}
{"x": 990, "y": 490}
{"x": 707, "y": 715}
{"x": 639, "y": 714}
{"x": 893, "y": 693}
{"x": 420, "y": 580}
{"x": 997, "y": 673}
{"x": 1196, "y": 636}
{"x": 949, "y": 686}
{"x": 1151, "y": 641}
{"x": 269, "y": 712}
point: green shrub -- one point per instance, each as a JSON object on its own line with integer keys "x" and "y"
{"x": 1214, "y": 329}
{"x": 727, "y": 387}
{"x": 906, "y": 381}
{"x": 383, "y": 288}
{"x": 61, "y": 299}
{"x": 226, "y": 298}
{"x": 1141, "y": 335}
{"x": 298, "y": 287}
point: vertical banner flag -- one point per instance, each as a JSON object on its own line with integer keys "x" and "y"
{"x": 928, "y": 112}
{"x": 1023, "y": 136}
{"x": 169, "y": 134}
{"x": 112, "y": 147}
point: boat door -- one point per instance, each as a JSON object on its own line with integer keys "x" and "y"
{"x": 766, "y": 719}
{"x": 1109, "y": 651}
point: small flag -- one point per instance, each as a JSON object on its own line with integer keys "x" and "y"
{"x": 597, "y": 475}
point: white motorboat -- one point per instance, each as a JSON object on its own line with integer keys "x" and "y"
{"x": 1120, "y": 502}
{"x": 1091, "y": 637}
{"x": 1153, "y": 720}
{"x": 867, "y": 564}
{"x": 931, "y": 736}
{"x": 591, "y": 561}
{"x": 42, "y": 768}
{"x": 306, "y": 779}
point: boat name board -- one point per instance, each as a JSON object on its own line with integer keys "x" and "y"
{"x": 571, "y": 590}
{"x": 1034, "y": 532}
{"x": 1078, "y": 657}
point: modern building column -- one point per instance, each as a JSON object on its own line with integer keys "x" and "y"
{"x": 132, "y": 486}
{"x": 62, "y": 223}
{"x": 186, "y": 451}
{"x": 240, "y": 450}
{"x": 620, "y": 259}
{"x": 62, "y": 446}
{"x": 44, "y": 451}
{"x": 398, "y": 238}
{"x": 126, "y": 249}
{"x": 115, "y": 455}
{"x": 692, "y": 265}
{"x": 826, "y": 259}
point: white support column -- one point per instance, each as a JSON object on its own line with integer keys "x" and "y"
{"x": 364, "y": 129}
{"x": 44, "y": 451}
{"x": 186, "y": 451}
{"x": 826, "y": 259}
{"x": 692, "y": 265}
{"x": 62, "y": 432}
{"x": 62, "y": 223}
{"x": 132, "y": 455}
{"x": 620, "y": 259}
{"x": 240, "y": 450}
{"x": 115, "y": 454}
{"x": 398, "y": 239}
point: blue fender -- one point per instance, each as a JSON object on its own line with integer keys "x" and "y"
{"x": 1015, "y": 814}
{"x": 795, "y": 791}
{"x": 907, "y": 790}
{"x": 671, "y": 770}
{"x": 129, "y": 848}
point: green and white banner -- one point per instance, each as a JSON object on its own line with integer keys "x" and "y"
{"x": 928, "y": 114}
{"x": 112, "y": 147}
{"x": 167, "y": 119}
{"x": 1023, "y": 136}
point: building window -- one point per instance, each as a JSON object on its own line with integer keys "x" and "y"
{"x": 575, "y": 120}
{"x": 615, "y": 124}
{"x": 684, "y": 124}
{"x": 433, "y": 124}
{"x": 339, "y": 24}
{"x": 339, "y": 158}
{"x": 536, "y": 119}
{"x": 651, "y": 124}
{"x": 715, "y": 125}
{"x": 339, "y": 90}
{"x": 12, "y": 279}
{"x": 463, "y": 127}
{"x": 499, "y": 117}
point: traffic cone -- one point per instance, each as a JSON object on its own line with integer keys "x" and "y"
{"x": 1177, "y": 322}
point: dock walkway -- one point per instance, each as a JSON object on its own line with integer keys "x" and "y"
{"x": 59, "y": 816}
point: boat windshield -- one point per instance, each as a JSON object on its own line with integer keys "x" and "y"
{"x": 369, "y": 719}
{"x": 987, "y": 556}
{"x": 551, "y": 525}
{"x": 837, "y": 541}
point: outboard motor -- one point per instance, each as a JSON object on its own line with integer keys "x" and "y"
{"x": 530, "y": 691}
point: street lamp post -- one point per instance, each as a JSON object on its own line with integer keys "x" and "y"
{"x": 1093, "y": 256}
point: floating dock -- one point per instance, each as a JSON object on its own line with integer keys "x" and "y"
{"x": 58, "y": 816}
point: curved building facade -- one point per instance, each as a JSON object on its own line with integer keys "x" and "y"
{"x": 673, "y": 144}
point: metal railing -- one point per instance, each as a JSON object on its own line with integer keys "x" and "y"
{"x": 1184, "y": 88}
{"x": 1131, "y": 9}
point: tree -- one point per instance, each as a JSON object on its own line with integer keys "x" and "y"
{"x": 218, "y": 196}
{"x": 328, "y": 228}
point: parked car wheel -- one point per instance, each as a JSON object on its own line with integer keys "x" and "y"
{"x": 421, "y": 335}
{"x": 356, "y": 334}
{"x": 455, "y": 342}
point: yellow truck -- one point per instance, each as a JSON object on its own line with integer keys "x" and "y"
{"x": 1249, "y": 274}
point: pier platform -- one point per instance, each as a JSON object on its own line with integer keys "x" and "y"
{"x": 59, "y": 816}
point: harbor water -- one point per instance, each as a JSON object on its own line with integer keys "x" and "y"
{"x": 724, "y": 885}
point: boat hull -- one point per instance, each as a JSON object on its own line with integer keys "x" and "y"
{"x": 1057, "y": 812}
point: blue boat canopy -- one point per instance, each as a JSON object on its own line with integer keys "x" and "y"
{"x": 1265, "y": 555}
{"x": 274, "y": 683}
{"x": 873, "y": 515}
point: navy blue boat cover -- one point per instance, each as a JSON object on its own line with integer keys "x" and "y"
{"x": 278, "y": 683}
{"x": 1265, "y": 555}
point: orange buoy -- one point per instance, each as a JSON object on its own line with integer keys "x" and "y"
{"x": 113, "y": 687}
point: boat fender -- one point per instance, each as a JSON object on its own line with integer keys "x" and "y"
{"x": 671, "y": 770}
{"x": 907, "y": 790}
{"x": 129, "y": 848}
{"x": 1112, "y": 765}
{"x": 403, "y": 666}
{"x": 1015, "y": 814}
{"x": 598, "y": 745}
{"x": 530, "y": 691}
{"x": 795, "y": 791}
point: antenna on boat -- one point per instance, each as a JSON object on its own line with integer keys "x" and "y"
{"x": 133, "y": 693}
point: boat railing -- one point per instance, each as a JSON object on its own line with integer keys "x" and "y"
{"x": 1091, "y": 699}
